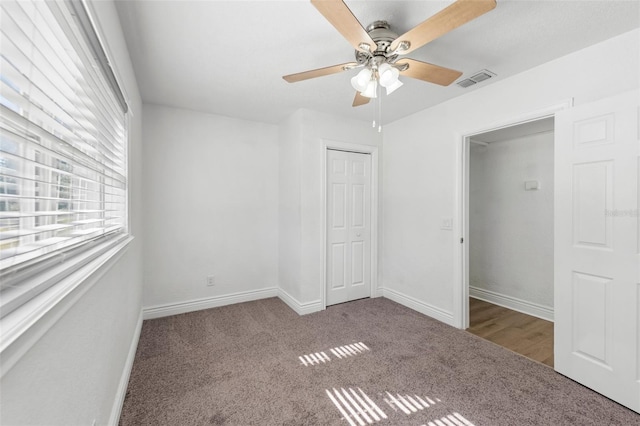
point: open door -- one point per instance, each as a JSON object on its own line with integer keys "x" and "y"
{"x": 597, "y": 247}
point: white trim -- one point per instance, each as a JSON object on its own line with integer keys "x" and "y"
{"x": 30, "y": 279}
{"x": 121, "y": 392}
{"x": 159, "y": 311}
{"x": 460, "y": 226}
{"x": 298, "y": 307}
{"x": 535, "y": 115}
{"x": 363, "y": 149}
{"x": 417, "y": 305}
{"x": 95, "y": 21}
{"x": 25, "y": 326}
{"x": 513, "y": 303}
{"x": 461, "y": 206}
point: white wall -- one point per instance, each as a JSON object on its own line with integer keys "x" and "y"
{"x": 289, "y": 215}
{"x": 419, "y": 162}
{"x": 71, "y": 367}
{"x": 510, "y": 228}
{"x": 301, "y": 192}
{"x": 210, "y": 208}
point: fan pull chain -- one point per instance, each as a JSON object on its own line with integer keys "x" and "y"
{"x": 379, "y": 101}
{"x": 373, "y": 124}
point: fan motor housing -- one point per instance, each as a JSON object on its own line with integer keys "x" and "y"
{"x": 380, "y": 32}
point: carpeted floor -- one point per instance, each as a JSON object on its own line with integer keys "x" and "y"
{"x": 367, "y": 362}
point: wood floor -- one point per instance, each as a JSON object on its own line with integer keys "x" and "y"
{"x": 521, "y": 333}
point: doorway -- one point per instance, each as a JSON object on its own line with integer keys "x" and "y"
{"x": 510, "y": 237}
{"x": 596, "y": 253}
{"x": 349, "y": 229}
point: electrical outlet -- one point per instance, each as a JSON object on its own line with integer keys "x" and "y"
{"x": 211, "y": 280}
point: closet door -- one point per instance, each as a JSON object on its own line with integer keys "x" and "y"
{"x": 348, "y": 226}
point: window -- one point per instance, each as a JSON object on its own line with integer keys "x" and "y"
{"x": 63, "y": 145}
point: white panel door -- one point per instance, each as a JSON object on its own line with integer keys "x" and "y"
{"x": 597, "y": 247}
{"x": 348, "y": 226}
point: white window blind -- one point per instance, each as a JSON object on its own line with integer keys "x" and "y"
{"x": 63, "y": 138}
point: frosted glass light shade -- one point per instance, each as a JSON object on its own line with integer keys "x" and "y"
{"x": 371, "y": 90}
{"x": 392, "y": 87}
{"x": 361, "y": 81}
{"x": 388, "y": 75}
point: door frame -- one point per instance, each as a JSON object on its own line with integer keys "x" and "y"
{"x": 461, "y": 206}
{"x": 359, "y": 149}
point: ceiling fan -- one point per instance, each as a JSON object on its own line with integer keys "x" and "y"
{"x": 380, "y": 52}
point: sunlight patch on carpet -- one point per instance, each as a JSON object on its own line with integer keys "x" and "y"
{"x": 455, "y": 419}
{"x": 409, "y": 404}
{"x": 314, "y": 359}
{"x": 339, "y": 352}
{"x": 356, "y": 407}
{"x": 349, "y": 350}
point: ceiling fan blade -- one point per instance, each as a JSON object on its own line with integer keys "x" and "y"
{"x": 341, "y": 17}
{"x": 429, "y": 72}
{"x": 360, "y": 100}
{"x": 334, "y": 69}
{"x": 449, "y": 18}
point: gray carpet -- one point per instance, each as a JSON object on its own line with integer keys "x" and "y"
{"x": 367, "y": 362}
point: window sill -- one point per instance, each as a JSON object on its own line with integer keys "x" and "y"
{"x": 24, "y": 326}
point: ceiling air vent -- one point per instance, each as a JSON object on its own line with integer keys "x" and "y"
{"x": 476, "y": 78}
{"x": 466, "y": 83}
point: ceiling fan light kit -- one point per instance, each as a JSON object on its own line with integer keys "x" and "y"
{"x": 380, "y": 51}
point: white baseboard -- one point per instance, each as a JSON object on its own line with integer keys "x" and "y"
{"x": 206, "y": 303}
{"x": 513, "y": 303}
{"x": 299, "y": 308}
{"x": 126, "y": 373}
{"x": 417, "y": 305}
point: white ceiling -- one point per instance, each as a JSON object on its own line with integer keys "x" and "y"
{"x": 228, "y": 57}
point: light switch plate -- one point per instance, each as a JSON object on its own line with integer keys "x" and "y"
{"x": 446, "y": 223}
{"x": 531, "y": 185}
